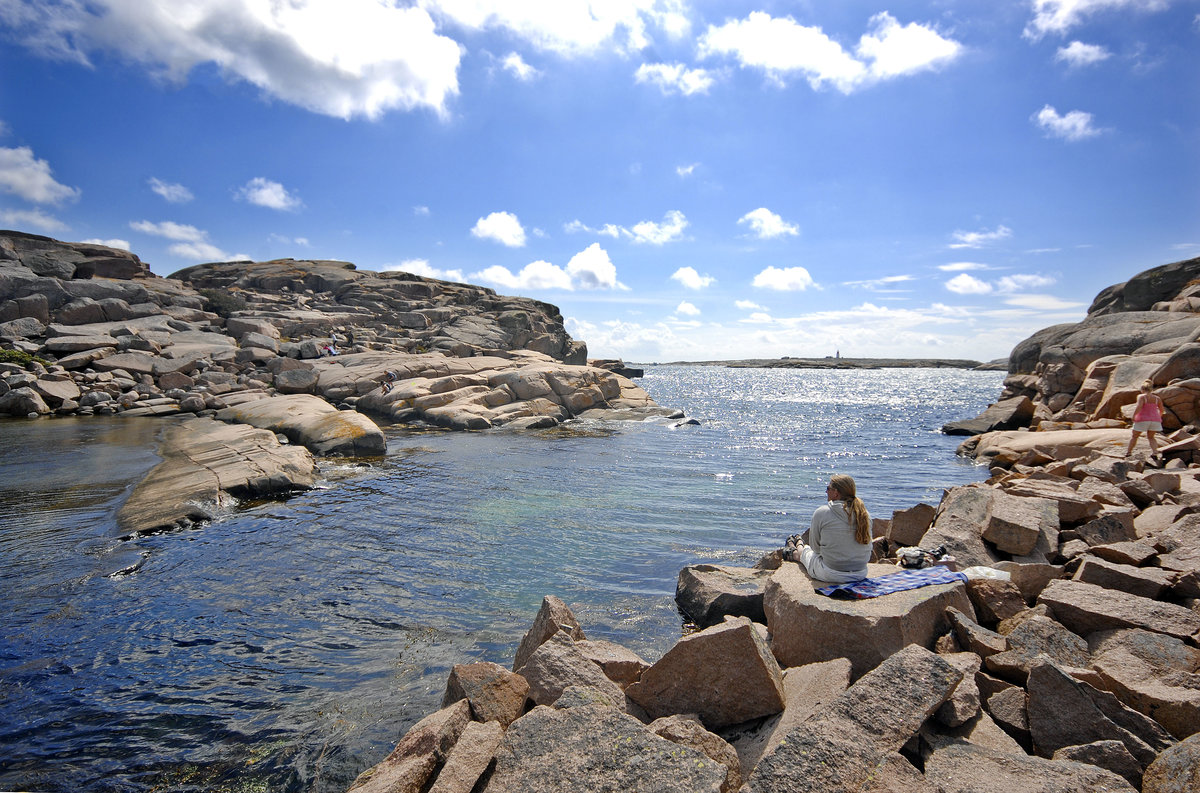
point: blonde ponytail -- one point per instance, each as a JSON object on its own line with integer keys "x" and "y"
{"x": 844, "y": 485}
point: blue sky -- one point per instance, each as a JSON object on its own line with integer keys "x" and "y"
{"x": 685, "y": 180}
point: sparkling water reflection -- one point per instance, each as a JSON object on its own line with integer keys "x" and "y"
{"x": 288, "y": 646}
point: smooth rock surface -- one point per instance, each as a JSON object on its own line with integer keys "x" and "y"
{"x": 807, "y": 627}
{"x": 205, "y": 463}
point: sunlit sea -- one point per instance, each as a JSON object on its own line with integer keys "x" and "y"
{"x": 288, "y": 645}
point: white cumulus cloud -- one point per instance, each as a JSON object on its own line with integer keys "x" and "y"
{"x": 502, "y": 227}
{"x": 781, "y": 47}
{"x": 172, "y": 192}
{"x": 592, "y": 269}
{"x": 959, "y": 267}
{"x": 1077, "y": 54}
{"x": 675, "y": 78}
{"x": 785, "y": 279}
{"x": 669, "y": 230}
{"x": 342, "y": 58}
{"x": 963, "y": 284}
{"x": 766, "y": 224}
{"x": 687, "y": 309}
{"x": 266, "y": 193}
{"x": 31, "y": 179}
{"x": 692, "y": 279}
{"x": 423, "y": 268}
{"x": 1074, "y": 126}
{"x": 535, "y": 275}
{"x": 589, "y": 269}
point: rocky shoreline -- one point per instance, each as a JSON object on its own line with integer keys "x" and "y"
{"x": 311, "y": 353}
{"x": 1065, "y": 658}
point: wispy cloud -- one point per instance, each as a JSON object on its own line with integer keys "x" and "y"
{"x": 515, "y": 65}
{"x": 674, "y": 78}
{"x": 113, "y": 243}
{"x": 32, "y": 218}
{"x": 170, "y": 230}
{"x": 879, "y": 284}
{"x": 964, "y": 284}
{"x": 647, "y": 231}
{"x": 191, "y": 243}
{"x": 172, "y": 192}
{"x": 961, "y": 267}
{"x": 978, "y": 239}
{"x": 1059, "y": 16}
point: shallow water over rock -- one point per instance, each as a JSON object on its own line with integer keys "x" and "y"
{"x": 288, "y": 646}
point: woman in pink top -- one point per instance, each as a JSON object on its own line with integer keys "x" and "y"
{"x": 1147, "y": 418}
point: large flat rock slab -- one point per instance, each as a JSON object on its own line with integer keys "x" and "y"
{"x": 1006, "y": 447}
{"x": 807, "y": 627}
{"x": 312, "y": 422}
{"x": 207, "y": 464}
{"x": 1087, "y": 608}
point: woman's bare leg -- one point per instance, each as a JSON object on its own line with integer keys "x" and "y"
{"x": 1132, "y": 442}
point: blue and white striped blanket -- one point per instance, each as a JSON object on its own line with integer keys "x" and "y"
{"x": 895, "y": 582}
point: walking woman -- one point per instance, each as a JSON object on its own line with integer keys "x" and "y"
{"x": 1147, "y": 418}
{"x": 839, "y": 538}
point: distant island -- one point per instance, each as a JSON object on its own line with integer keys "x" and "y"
{"x": 836, "y": 362}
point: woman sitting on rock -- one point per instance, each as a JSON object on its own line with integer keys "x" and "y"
{"x": 1147, "y": 418}
{"x": 839, "y": 538}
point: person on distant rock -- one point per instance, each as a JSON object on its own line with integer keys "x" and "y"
{"x": 1147, "y": 418}
{"x": 838, "y": 545}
